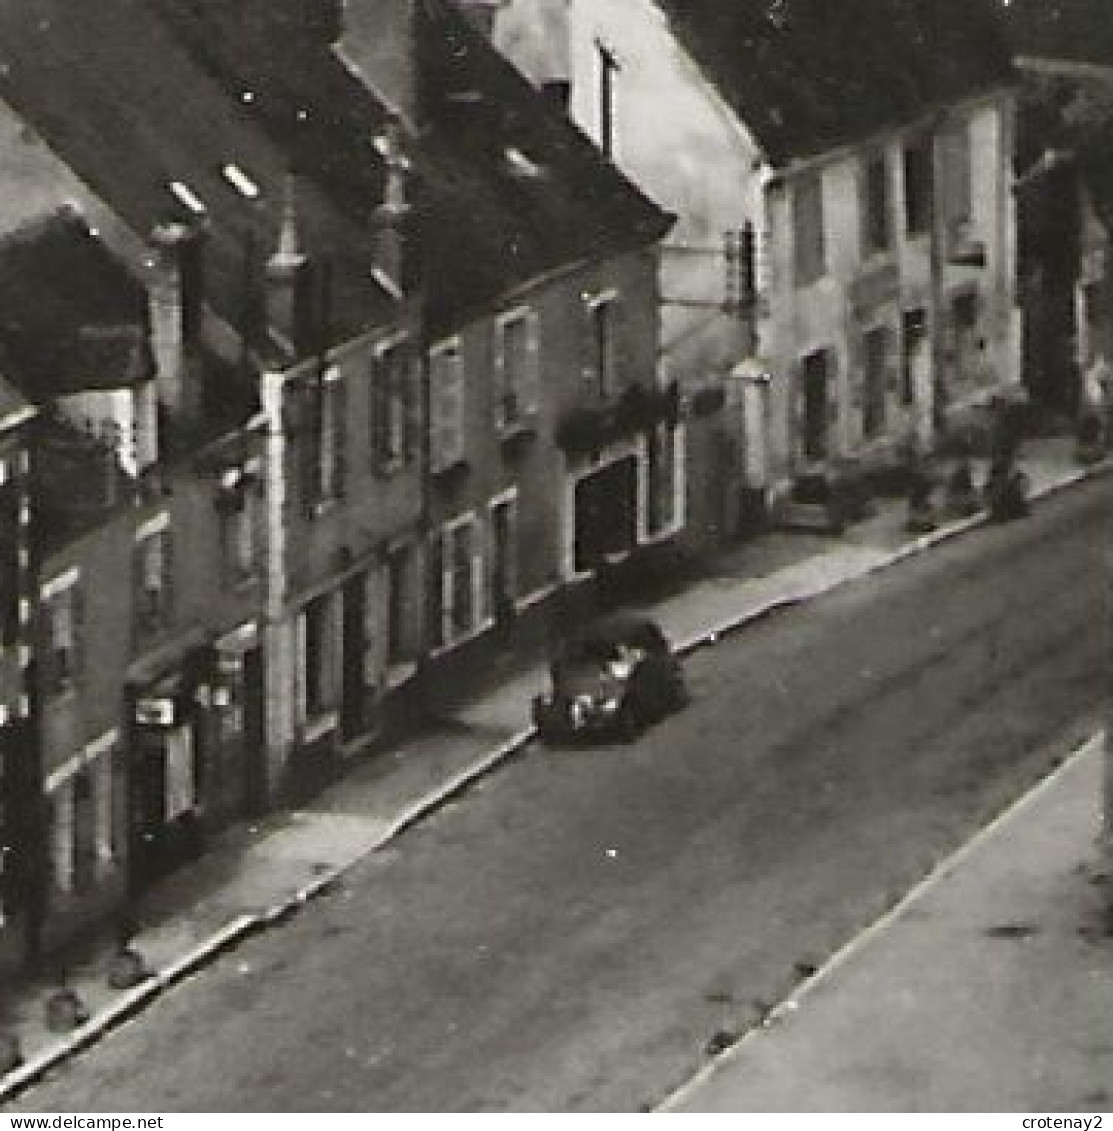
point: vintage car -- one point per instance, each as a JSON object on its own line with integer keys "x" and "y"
{"x": 610, "y": 680}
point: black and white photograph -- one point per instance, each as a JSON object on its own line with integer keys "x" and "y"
{"x": 556, "y": 557}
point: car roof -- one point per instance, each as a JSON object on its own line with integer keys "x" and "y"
{"x": 619, "y": 628}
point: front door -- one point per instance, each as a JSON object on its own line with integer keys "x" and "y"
{"x": 606, "y": 513}
{"x": 816, "y": 396}
{"x": 503, "y": 557}
{"x": 352, "y": 714}
{"x": 254, "y": 734}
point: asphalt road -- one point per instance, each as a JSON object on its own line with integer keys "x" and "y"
{"x": 570, "y": 934}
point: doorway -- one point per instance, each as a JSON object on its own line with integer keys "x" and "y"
{"x": 817, "y": 377}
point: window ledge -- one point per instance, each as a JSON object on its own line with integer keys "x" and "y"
{"x": 323, "y": 506}
{"x": 387, "y": 468}
{"x": 320, "y": 725}
{"x": 464, "y": 638}
{"x": 398, "y": 673}
{"x": 448, "y": 470}
{"x": 517, "y": 431}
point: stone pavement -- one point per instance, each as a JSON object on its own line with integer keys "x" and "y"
{"x": 253, "y": 876}
{"x": 989, "y": 988}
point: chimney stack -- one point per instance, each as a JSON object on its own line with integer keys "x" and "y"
{"x": 175, "y": 302}
{"x": 378, "y": 42}
{"x": 289, "y": 293}
{"x": 392, "y": 214}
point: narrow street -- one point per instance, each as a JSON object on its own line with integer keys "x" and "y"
{"x": 571, "y": 933}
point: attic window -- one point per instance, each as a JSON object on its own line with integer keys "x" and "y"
{"x": 240, "y": 181}
{"x": 186, "y": 197}
{"x": 520, "y": 165}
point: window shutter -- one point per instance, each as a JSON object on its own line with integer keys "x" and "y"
{"x": 410, "y": 374}
{"x": 167, "y": 538}
{"x": 436, "y": 414}
{"x": 307, "y": 432}
{"x": 104, "y": 808}
{"x": 434, "y": 588}
{"x": 338, "y": 391}
{"x": 61, "y": 836}
{"x": 376, "y": 414}
{"x": 478, "y": 576}
{"x": 301, "y": 682}
{"x": 502, "y": 379}
{"x": 589, "y": 368}
{"x": 531, "y": 379}
{"x": 447, "y": 399}
{"x": 447, "y": 563}
{"x": 621, "y": 362}
{"x": 77, "y": 620}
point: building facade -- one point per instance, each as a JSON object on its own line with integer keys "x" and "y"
{"x": 841, "y": 274}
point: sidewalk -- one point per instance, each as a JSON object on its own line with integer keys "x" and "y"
{"x": 988, "y": 988}
{"x": 253, "y": 876}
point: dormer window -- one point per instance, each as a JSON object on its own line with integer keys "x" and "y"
{"x": 240, "y": 181}
{"x": 187, "y": 198}
{"x": 153, "y": 576}
{"x": 61, "y": 607}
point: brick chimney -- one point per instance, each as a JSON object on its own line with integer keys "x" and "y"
{"x": 175, "y": 293}
{"x": 378, "y": 42}
{"x": 289, "y": 296}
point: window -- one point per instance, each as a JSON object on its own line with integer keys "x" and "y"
{"x": 83, "y": 842}
{"x": 61, "y": 659}
{"x": 602, "y": 344}
{"x": 919, "y": 186}
{"x": 913, "y": 353}
{"x": 239, "y": 529}
{"x": 446, "y": 407}
{"x": 11, "y": 536}
{"x": 876, "y": 349}
{"x": 516, "y": 361}
{"x": 876, "y": 235}
{"x": 504, "y": 553}
{"x": 809, "y": 243}
{"x": 153, "y": 578}
{"x": 390, "y": 407}
{"x": 461, "y": 589}
{"x": 400, "y": 609}
{"x": 661, "y": 473}
{"x": 322, "y": 634}
{"x": 955, "y": 175}
{"x": 323, "y": 437}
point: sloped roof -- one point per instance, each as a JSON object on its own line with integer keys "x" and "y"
{"x": 71, "y": 316}
{"x": 808, "y": 75}
{"x": 1071, "y": 30}
{"x": 516, "y": 189}
{"x": 506, "y": 188}
{"x": 11, "y": 399}
{"x": 115, "y": 94}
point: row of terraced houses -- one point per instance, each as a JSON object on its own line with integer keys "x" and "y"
{"x": 340, "y": 341}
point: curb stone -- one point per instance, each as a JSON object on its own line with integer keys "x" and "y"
{"x": 229, "y": 936}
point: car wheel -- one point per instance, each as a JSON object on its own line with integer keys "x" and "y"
{"x": 629, "y": 724}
